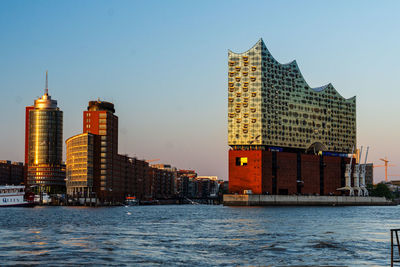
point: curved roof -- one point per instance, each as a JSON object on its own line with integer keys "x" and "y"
{"x": 293, "y": 63}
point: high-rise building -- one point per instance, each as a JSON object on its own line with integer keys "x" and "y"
{"x": 80, "y": 164}
{"x": 94, "y": 167}
{"x": 99, "y": 119}
{"x": 271, "y": 105}
{"x": 285, "y": 137}
{"x": 43, "y": 144}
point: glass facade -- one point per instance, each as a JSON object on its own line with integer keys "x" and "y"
{"x": 80, "y": 164}
{"x": 45, "y": 128}
{"x": 271, "y": 105}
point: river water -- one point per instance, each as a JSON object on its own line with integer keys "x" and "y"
{"x": 197, "y": 235}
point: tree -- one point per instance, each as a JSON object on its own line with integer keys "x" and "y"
{"x": 382, "y": 190}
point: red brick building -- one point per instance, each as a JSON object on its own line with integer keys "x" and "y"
{"x": 285, "y": 173}
{"x": 95, "y": 169}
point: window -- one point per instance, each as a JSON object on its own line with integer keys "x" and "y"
{"x": 241, "y": 161}
{"x": 103, "y": 115}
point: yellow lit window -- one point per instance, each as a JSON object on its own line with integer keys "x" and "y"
{"x": 245, "y": 58}
{"x": 231, "y": 115}
{"x": 237, "y": 68}
{"x": 241, "y": 161}
{"x": 245, "y": 105}
{"x": 253, "y": 110}
{"x": 238, "y": 94}
{"x": 253, "y": 79}
{"x": 238, "y": 120}
{"x": 238, "y": 79}
{"x": 253, "y": 94}
{"x": 245, "y": 84}
{"x": 245, "y": 115}
{"x": 237, "y": 110}
{"x": 230, "y": 99}
{"x": 245, "y": 89}
{"x": 253, "y": 68}
{"x": 231, "y": 89}
{"x": 231, "y": 84}
{"x": 246, "y": 99}
{"x": 253, "y": 120}
{"x": 231, "y": 63}
{"x": 246, "y": 63}
{"x": 245, "y": 73}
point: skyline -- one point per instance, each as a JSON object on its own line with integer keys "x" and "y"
{"x": 166, "y": 73}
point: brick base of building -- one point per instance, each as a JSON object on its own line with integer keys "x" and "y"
{"x": 285, "y": 173}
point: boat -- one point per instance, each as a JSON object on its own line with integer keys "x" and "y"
{"x": 14, "y": 196}
{"x": 131, "y": 201}
{"x": 45, "y": 198}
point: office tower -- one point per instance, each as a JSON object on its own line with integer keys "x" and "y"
{"x": 99, "y": 119}
{"x": 43, "y": 137}
{"x": 80, "y": 164}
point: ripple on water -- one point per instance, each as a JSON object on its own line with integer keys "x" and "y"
{"x": 197, "y": 236}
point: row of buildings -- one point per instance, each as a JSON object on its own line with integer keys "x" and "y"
{"x": 284, "y": 136}
{"x": 93, "y": 169}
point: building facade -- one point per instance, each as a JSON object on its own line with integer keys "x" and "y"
{"x": 80, "y": 165}
{"x": 43, "y": 154}
{"x": 11, "y": 173}
{"x": 94, "y": 167}
{"x": 285, "y": 137}
{"x": 271, "y": 105}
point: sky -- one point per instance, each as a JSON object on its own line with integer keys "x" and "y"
{"x": 164, "y": 66}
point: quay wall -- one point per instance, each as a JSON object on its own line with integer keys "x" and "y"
{"x": 282, "y": 200}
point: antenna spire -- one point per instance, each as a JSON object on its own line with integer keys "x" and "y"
{"x": 46, "y": 90}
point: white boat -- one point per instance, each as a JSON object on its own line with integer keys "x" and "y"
{"x": 131, "y": 201}
{"x": 45, "y": 198}
{"x": 13, "y": 196}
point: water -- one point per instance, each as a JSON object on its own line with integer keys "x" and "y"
{"x": 197, "y": 235}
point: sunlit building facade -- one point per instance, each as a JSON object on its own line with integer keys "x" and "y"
{"x": 80, "y": 165}
{"x": 44, "y": 133}
{"x": 284, "y": 136}
{"x": 271, "y": 105}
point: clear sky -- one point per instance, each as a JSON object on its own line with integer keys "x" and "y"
{"x": 164, "y": 66}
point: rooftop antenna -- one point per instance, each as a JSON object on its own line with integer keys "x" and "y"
{"x": 46, "y": 90}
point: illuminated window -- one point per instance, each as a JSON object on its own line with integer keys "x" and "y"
{"x": 241, "y": 161}
{"x": 103, "y": 115}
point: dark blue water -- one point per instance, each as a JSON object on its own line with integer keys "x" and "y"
{"x": 195, "y": 235}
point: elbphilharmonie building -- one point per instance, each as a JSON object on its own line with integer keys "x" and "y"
{"x": 271, "y": 104}
{"x": 284, "y": 136}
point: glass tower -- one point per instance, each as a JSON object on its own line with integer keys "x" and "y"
{"x": 44, "y": 145}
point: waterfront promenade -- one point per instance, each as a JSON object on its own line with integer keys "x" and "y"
{"x": 197, "y": 235}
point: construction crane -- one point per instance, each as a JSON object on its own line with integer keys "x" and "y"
{"x": 152, "y": 160}
{"x": 386, "y": 165}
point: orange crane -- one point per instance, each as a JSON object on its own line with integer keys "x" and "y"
{"x": 386, "y": 165}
